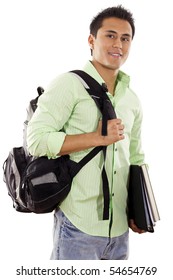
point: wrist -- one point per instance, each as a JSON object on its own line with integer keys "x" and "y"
{"x": 98, "y": 140}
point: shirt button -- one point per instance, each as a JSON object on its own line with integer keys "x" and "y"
{"x": 112, "y": 194}
{"x": 115, "y": 172}
{"x": 116, "y": 149}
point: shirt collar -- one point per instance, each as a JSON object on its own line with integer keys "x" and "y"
{"x": 91, "y": 70}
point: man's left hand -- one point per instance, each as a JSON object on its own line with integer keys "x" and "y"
{"x": 134, "y": 227}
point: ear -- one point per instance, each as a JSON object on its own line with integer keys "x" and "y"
{"x": 91, "y": 39}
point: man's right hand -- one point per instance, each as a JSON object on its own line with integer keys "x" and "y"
{"x": 115, "y": 132}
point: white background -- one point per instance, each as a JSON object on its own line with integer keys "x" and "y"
{"x": 43, "y": 38}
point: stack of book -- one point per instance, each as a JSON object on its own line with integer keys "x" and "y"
{"x": 142, "y": 207}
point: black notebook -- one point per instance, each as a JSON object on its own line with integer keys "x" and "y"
{"x": 142, "y": 207}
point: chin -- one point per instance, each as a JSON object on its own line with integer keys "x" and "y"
{"x": 113, "y": 67}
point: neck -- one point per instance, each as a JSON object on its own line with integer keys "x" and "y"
{"x": 108, "y": 75}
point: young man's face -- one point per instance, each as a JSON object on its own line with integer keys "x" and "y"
{"x": 111, "y": 46}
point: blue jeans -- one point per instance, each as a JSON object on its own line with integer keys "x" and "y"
{"x": 72, "y": 244}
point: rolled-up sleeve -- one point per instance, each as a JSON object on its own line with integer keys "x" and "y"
{"x": 136, "y": 152}
{"x": 45, "y": 131}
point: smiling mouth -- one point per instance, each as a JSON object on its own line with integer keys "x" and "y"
{"x": 117, "y": 55}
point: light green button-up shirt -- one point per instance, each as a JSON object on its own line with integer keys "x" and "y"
{"x": 67, "y": 108}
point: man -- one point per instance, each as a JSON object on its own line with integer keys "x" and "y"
{"x": 67, "y": 121}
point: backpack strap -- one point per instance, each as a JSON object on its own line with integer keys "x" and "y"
{"x": 98, "y": 93}
{"x": 34, "y": 101}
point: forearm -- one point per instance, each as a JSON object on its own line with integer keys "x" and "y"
{"x": 58, "y": 143}
{"x": 80, "y": 142}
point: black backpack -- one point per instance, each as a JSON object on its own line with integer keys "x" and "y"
{"x": 40, "y": 184}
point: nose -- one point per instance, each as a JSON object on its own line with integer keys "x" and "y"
{"x": 117, "y": 43}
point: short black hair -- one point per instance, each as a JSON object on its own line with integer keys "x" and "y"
{"x": 117, "y": 12}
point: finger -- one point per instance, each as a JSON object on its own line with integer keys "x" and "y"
{"x": 121, "y": 126}
{"x": 118, "y": 121}
{"x": 115, "y": 121}
{"x": 118, "y": 126}
{"x": 121, "y": 132}
{"x": 121, "y": 137}
{"x": 135, "y": 228}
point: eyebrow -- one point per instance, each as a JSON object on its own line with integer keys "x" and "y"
{"x": 114, "y": 32}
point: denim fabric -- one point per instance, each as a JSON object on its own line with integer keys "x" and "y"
{"x": 72, "y": 244}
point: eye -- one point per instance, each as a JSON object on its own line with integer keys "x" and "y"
{"x": 111, "y": 36}
{"x": 125, "y": 39}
